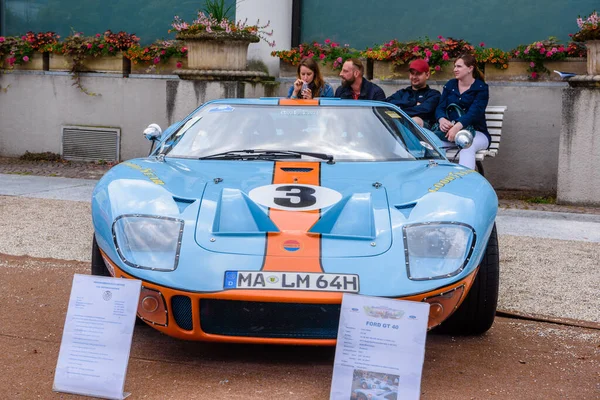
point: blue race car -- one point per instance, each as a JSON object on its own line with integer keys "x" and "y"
{"x": 250, "y": 219}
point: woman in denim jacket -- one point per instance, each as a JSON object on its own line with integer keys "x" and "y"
{"x": 309, "y": 82}
{"x": 471, "y": 93}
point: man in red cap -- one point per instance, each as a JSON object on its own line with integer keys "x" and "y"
{"x": 418, "y": 100}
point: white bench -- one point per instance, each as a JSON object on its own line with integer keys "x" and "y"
{"x": 494, "y": 115}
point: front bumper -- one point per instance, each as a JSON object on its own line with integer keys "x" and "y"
{"x": 265, "y": 316}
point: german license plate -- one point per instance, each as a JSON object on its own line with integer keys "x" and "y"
{"x": 291, "y": 281}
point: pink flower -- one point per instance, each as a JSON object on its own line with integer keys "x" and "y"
{"x": 427, "y": 53}
{"x": 437, "y": 68}
{"x": 426, "y": 59}
{"x": 436, "y": 47}
{"x": 481, "y": 44}
{"x": 416, "y": 49}
{"x": 11, "y": 60}
{"x": 440, "y": 37}
{"x": 334, "y": 45}
{"x": 97, "y": 35}
{"x": 26, "y": 58}
{"x": 23, "y": 37}
{"x": 339, "y": 60}
{"x": 156, "y": 60}
{"x": 549, "y": 54}
{"x": 101, "y": 45}
{"x": 526, "y": 51}
{"x": 532, "y": 64}
{"x": 162, "y": 52}
{"x": 321, "y": 56}
{"x": 445, "y": 56}
{"x": 89, "y": 45}
{"x": 517, "y": 53}
{"x": 2, "y": 39}
{"x": 183, "y": 49}
{"x": 179, "y": 64}
{"x": 327, "y": 41}
{"x": 110, "y": 48}
{"x": 534, "y": 75}
{"x": 542, "y": 50}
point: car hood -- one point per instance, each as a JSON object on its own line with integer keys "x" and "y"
{"x": 356, "y": 207}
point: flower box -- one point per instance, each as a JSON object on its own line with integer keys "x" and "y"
{"x": 218, "y": 50}
{"x": 386, "y": 70}
{"x": 35, "y": 63}
{"x": 106, "y": 64}
{"x": 168, "y": 67}
{"x": 287, "y": 70}
{"x": 593, "y": 57}
{"x": 517, "y": 70}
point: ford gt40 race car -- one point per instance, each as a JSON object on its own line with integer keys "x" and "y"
{"x": 250, "y": 219}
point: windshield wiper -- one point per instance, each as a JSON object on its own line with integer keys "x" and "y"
{"x": 253, "y": 154}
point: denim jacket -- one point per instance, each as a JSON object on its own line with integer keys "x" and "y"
{"x": 473, "y": 100}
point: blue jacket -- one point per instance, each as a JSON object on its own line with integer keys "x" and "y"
{"x": 326, "y": 90}
{"x": 473, "y": 100}
{"x": 417, "y": 103}
{"x": 368, "y": 91}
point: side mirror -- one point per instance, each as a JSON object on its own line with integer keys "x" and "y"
{"x": 463, "y": 139}
{"x": 153, "y": 132}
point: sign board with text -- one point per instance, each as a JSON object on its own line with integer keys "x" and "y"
{"x": 380, "y": 348}
{"x": 96, "y": 341}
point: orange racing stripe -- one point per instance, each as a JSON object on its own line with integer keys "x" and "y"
{"x": 298, "y": 102}
{"x": 294, "y": 226}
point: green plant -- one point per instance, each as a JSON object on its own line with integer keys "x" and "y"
{"x": 588, "y": 28}
{"x": 539, "y": 52}
{"x": 217, "y": 9}
{"x": 326, "y": 52}
{"x": 540, "y": 199}
{"x": 44, "y": 156}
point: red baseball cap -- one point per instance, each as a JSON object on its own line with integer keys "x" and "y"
{"x": 419, "y": 65}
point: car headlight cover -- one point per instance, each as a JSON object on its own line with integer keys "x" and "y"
{"x": 437, "y": 250}
{"x": 148, "y": 242}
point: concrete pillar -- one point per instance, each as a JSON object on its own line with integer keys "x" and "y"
{"x": 279, "y": 13}
{"x": 579, "y": 148}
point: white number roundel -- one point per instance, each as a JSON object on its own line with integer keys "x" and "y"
{"x": 295, "y": 197}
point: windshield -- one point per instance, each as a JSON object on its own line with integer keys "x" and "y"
{"x": 343, "y": 133}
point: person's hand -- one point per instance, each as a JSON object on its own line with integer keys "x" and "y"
{"x": 445, "y": 125}
{"x": 307, "y": 94}
{"x": 453, "y": 131}
{"x": 297, "y": 87}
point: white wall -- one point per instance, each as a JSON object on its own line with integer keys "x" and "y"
{"x": 279, "y": 13}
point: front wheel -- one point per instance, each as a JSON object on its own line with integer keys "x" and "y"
{"x": 476, "y": 314}
{"x": 98, "y": 266}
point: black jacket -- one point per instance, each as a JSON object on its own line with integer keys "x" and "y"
{"x": 368, "y": 91}
{"x": 417, "y": 103}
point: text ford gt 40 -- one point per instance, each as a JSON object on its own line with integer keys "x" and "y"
{"x": 251, "y": 218}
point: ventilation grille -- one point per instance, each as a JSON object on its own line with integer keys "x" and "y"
{"x": 84, "y": 143}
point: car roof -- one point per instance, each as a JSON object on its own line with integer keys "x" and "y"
{"x": 324, "y": 101}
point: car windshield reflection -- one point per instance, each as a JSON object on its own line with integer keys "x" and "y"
{"x": 345, "y": 133}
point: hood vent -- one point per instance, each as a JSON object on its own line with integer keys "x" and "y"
{"x": 288, "y": 169}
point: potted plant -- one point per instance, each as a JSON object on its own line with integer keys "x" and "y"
{"x": 99, "y": 53}
{"x": 162, "y": 56}
{"x": 589, "y": 33}
{"x": 537, "y": 56}
{"x": 391, "y": 59}
{"x": 329, "y": 54}
{"x": 492, "y": 60}
{"x": 16, "y": 52}
{"x": 216, "y": 43}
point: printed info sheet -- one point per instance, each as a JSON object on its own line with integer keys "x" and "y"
{"x": 96, "y": 340}
{"x": 380, "y": 349}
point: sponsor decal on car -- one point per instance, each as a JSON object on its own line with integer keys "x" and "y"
{"x": 291, "y": 245}
{"x": 146, "y": 171}
{"x": 451, "y": 176}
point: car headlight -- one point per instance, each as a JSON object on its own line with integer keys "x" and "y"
{"x": 437, "y": 250}
{"x": 148, "y": 242}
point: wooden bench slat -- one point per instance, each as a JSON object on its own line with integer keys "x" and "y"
{"x": 494, "y": 124}
{"x": 494, "y": 117}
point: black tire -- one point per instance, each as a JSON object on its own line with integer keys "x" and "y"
{"x": 98, "y": 266}
{"x": 476, "y": 314}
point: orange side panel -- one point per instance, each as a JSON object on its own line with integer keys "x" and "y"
{"x": 294, "y": 226}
